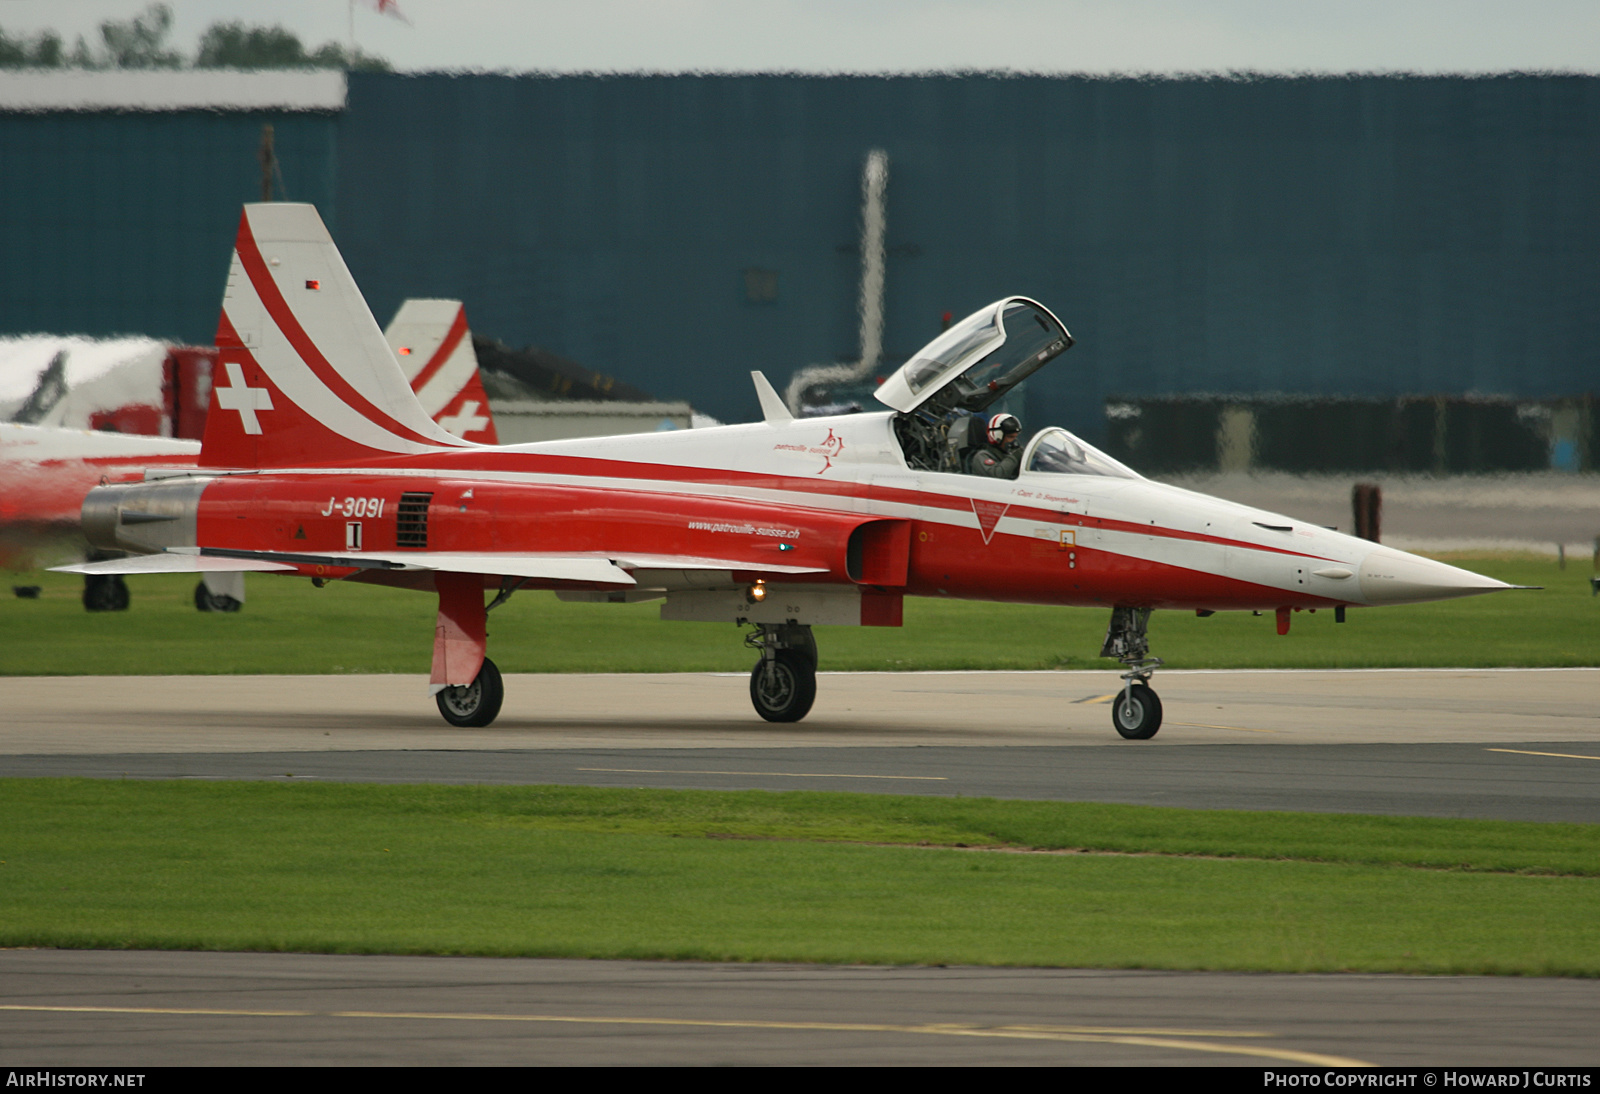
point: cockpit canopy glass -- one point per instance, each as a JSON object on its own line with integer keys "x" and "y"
{"x": 975, "y": 362}
{"x": 1055, "y": 451}
{"x": 953, "y": 346}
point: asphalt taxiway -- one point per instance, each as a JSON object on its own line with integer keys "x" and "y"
{"x": 89, "y": 714}
{"x": 128, "y": 1010}
{"x": 1519, "y": 744}
{"x": 1513, "y": 744}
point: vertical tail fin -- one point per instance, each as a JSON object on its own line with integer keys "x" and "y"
{"x": 434, "y": 346}
{"x": 303, "y": 374}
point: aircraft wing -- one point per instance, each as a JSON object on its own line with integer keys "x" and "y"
{"x": 594, "y": 568}
{"x": 183, "y": 560}
{"x": 172, "y": 564}
{"x": 635, "y": 561}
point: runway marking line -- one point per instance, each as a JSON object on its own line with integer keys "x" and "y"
{"x": 1097, "y": 698}
{"x": 1204, "y": 725}
{"x": 1150, "y": 1038}
{"x": 1559, "y": 755}
{"x": 774, "y": 774}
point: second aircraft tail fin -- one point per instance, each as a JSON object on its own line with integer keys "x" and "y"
{"x": 433, "y": 343}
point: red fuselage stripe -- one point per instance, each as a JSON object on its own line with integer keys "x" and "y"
{"x": 686, "y": 478}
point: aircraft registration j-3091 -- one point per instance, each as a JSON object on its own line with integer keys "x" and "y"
{"x": 318, "y": 461}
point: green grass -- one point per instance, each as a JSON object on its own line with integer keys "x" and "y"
{"x": 580, "y": 872}
{"x": 289, "y": 627}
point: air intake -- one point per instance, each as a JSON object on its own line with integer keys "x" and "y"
{"x": 411, "y": 527}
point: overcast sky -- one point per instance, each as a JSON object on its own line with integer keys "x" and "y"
{"x": 1096, "y": 36}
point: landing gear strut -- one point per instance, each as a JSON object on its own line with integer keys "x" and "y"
{"x": 783, "y": 685}
{"x": 475, "y": 704}
{"x": 1136, "y": 712}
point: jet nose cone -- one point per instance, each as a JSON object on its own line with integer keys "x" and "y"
{"x": 1394, "y": 577}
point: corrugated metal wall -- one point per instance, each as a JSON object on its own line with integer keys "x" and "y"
{"x": 123, "y": 223}
{"x": 1369, "y": 236}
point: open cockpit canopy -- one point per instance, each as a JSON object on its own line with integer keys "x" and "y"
{"x": 974, "y": 363}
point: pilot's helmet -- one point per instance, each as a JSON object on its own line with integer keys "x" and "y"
{"x": 1000, "y": 425}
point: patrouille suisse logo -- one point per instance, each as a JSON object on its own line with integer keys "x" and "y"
{"x": 828, "y": 449}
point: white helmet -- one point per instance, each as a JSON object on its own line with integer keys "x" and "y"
{"x": 1000, "y": 425}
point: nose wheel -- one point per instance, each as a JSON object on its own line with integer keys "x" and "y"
{"x": 476, "y": 704}
{"x": 1136, "y": 712}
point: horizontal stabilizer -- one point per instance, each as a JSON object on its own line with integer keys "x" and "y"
{"x": 173, "y": 564}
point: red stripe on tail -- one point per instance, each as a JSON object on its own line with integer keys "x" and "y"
{"x": 452, "y": 339}
{"x": 255, "y": 268}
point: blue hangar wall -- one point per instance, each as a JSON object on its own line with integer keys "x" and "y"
{"x": 1366, "y": 236}
{"x": 123, "y": 223}
{"x": 1370, "y": 236}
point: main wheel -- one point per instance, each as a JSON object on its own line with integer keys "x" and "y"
{"x": 807, "y": 647}
{"x": 784, "y": 688}
{"x": 105, "y": 593}
{"x": 474, "y": 704}
{"x": 1136, "y": 712}
{"x": 207, "y": 601}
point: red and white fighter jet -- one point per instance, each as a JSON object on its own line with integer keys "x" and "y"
{"x": 318, "y": 461}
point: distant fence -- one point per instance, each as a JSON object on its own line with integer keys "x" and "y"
{"x": 1437, "y": 434}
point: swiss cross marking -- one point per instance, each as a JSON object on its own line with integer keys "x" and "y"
{"x": 467, "y": 421}
{"x": 240, "y": 396}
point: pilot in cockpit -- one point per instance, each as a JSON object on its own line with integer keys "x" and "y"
{"x": 1000, "y": 454}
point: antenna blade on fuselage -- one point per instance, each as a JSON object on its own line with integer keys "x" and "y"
{"x": 772, "y": 408}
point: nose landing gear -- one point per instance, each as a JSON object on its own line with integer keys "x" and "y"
{"x": 1136, "y": 713}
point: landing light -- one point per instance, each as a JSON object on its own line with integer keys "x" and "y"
{"x": 757, "y": 592}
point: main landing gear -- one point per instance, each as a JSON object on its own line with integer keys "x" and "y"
{"x": 207, "y": 601}
{"x": 104, "y": 593}
{"x": 1136, "y": 712}
{"x": 476, "y": 704}
{"x": 783, "y": 685}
